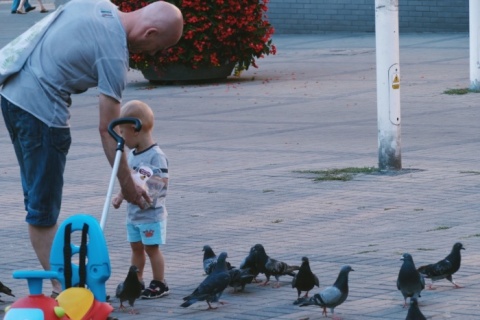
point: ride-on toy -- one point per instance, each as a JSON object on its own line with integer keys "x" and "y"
{"x": 83, "y": 295}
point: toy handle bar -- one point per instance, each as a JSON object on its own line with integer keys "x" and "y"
{"x": 119, "y": 121}
{"x": 35, "y": 278}
{"x": 116, "y": 163}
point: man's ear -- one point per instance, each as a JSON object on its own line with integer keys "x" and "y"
{"x": 151, "y": 32}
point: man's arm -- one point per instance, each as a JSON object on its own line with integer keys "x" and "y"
{"x": 109, "y": 110}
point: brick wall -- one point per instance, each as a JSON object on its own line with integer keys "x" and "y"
{"x": 319, "y": 16}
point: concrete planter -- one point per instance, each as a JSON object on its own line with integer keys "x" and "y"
{"x": 178, "y": 72}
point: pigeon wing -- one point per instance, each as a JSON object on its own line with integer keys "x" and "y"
{"x": 209, "y": 259}
{"x": 279, "y": 268}
{"x": 212, "y": 287}
{"x": 119, "y": 291}
{"x": 331, "y": 297}
{"x": 316, "y": 281}
{"x": 274, "y": 266}
{"x": 209, "y": 265}
{"x": 437, "y": 270}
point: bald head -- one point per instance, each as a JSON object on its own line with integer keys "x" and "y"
{"x": 153, "y": 28}
{"x": 140, "y": 110}
{"x": 167, "y": 19}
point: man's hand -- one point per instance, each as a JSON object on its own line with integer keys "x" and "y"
{"x": 137, "y": 196}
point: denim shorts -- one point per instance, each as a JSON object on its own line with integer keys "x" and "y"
{"x": 148, "y": 233}
{"x": 41, "y": 153}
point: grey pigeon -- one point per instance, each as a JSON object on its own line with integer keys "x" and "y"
{"x": 240, "y": 278}
{"x": 410, "y": 282}
{"x": 414, "y": 312}
{"x": 210, "y": 259}
{"x": 333, "y": 296}
{"x": 6, "y": 290}
{"x": 250, "y": 263}
{"x": 129, "y": 290}
{"x": 305, "y": 279}
{"x": 271, "y": 267}
{"x": 212, "y": 287}
{"x": 444, "y": 269}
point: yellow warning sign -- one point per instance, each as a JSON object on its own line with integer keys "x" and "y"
{"x": 396, "y": 82}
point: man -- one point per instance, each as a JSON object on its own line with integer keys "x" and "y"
{"x": 86, "y": 46}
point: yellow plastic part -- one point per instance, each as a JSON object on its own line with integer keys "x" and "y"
{"x": 76, "y": 302}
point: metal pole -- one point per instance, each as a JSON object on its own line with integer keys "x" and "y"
{"x": 106, "y": 205}
{"x": 474, "y": 24}
{"x": 388, "y": 84}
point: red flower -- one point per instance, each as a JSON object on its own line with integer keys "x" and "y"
{"x": 215, "y": 32}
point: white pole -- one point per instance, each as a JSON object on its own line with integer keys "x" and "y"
{"x": 388, "y": 84}
{"x": 474, "y": 23}
{"x": 106, "y": 205}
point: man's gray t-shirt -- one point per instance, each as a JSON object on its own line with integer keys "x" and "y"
{"x": 85, "y": 47}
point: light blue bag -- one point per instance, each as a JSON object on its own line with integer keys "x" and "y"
{"x": 14, "y": 55}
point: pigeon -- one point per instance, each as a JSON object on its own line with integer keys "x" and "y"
{"x": 240, "y": 278}
{"x": 414, "y": 312}
{"x": 210, "y": 260}
{"x": 130, "y": 289}
{"x": 250, "y": 264}
{"x": 212, "y": 287}
{"x": 332, "y": 296}
{"x": 271, "y": 267}
{"x": 410, "y": 282}
{"x": 305, "y": 279}
{"x": 6, "y": 290}
{"x": 444, "y": 269}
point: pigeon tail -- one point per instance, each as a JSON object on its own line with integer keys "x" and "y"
{"x": 188, "y": 303}
{"x": 312, "y": 301}
{"x": 414, "y": 312}
{"x": 290, "y": 270}
{"x": 6, "y": 290}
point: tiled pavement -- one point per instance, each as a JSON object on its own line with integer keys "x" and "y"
{"x": 234, "y": 148}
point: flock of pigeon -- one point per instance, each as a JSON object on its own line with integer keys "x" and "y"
{"x": 220, "y": 274}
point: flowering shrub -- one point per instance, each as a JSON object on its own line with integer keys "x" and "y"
{"x": 216, "y": 32}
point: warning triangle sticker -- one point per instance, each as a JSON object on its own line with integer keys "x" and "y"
{"x": 396, "y": 82}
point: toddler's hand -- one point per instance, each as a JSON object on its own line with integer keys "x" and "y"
{"x": 117, "y": 201}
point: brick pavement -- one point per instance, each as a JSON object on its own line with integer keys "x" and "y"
{"x": 234, "y": 148}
